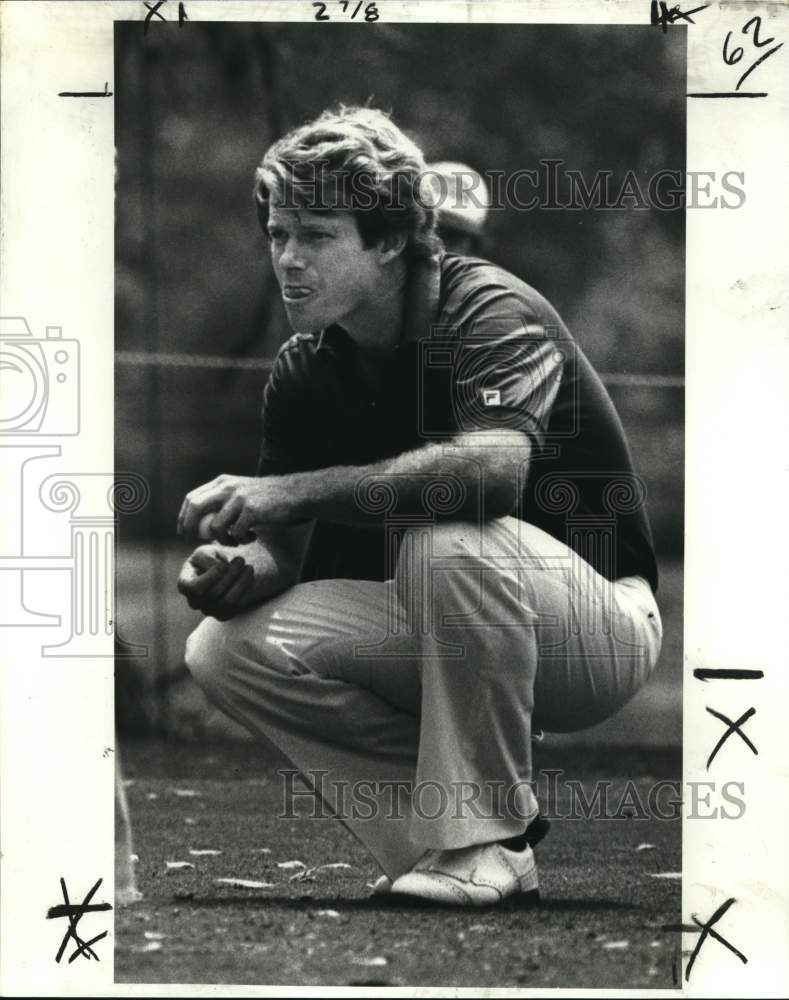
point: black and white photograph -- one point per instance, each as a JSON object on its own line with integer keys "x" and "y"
{"x": 391, "y": 400}
{"x": 400, "y": 343}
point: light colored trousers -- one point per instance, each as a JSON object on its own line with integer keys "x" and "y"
{"x": 409, "y": 704}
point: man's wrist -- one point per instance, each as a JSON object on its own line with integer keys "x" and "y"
{"x": 303, "y": 496}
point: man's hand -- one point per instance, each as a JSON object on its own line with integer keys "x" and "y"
{"x": 239, "y": 503}
{"x": 217, "y": 586}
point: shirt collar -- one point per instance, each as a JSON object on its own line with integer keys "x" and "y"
{"x": 422, "y": 292}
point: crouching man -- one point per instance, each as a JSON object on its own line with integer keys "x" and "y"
{"x": 445, "y": 542}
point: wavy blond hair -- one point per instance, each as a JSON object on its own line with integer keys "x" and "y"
{"x": 353, "y": 159}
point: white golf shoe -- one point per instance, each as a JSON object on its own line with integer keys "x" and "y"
{"x": 480, "y": 875}
{"x": 382, "y": 886}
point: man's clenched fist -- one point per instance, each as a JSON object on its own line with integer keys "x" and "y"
{"x": 217, "y": 585}
{"x": 239, "y": 504}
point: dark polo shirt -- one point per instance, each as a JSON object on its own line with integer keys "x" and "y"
{"x": 481, "y": 350}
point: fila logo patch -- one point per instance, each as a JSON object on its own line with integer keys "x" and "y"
{"x": 491, "y": 397}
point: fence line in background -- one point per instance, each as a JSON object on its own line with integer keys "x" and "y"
{"x": 216, "y": 362}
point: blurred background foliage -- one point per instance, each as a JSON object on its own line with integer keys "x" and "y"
{"x": 196, "y": 108}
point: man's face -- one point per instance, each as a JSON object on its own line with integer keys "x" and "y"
{"x": 325, "y": 273}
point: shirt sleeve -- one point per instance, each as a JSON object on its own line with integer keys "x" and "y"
{"x": 508, "y": 368}
{"x": 285, "y": 442}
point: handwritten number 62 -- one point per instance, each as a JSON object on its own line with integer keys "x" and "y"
{"x": 732, "y": 58}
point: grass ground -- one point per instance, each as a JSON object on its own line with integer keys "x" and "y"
{"x": 598, "y": 922}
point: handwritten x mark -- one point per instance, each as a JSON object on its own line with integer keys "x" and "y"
{"x": 151, "y": 12}
{"x": 182, "y": 15}
{"x": 74, "y": 913}
{"x": 733, "y": 727}
{"x": 704, "y": 930}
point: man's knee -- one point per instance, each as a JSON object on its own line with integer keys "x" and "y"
{"x": 241, "y": 645}
{"x": 205, "y": 653}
